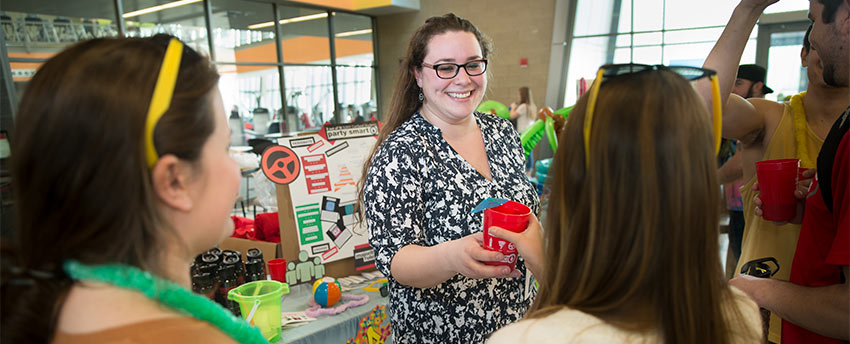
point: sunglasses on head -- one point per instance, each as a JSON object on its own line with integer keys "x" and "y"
{"x": 687, "y": 72}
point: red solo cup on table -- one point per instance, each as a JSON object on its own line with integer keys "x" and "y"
{"x": 777, "y": 182}
{"x": 277, "y": 269}
{"x": 512, "y": 216}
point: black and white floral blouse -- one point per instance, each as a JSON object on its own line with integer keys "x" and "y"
{"x": 420, "y": 191}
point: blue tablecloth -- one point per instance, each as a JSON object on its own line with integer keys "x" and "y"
{"x": 327, "y": 329}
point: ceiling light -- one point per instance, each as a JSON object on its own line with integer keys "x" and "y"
{"x": 289, "y": 20}
{"x": 158, "y": 8}
{"x": 354, "y": 33}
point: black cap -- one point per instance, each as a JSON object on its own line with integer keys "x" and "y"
{"x": 254, "y": 253}
{"x": 209, "y": 258}
{"x": 754, "y": 73}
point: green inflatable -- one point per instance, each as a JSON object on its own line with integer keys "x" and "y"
{"x": 532, "y": 136}
{"x": 500, "y": 109}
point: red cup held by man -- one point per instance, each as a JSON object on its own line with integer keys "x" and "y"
{"x": 512, "y": 216}
{"x": 777, "y": 182}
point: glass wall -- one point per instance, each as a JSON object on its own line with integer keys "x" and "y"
{"x": 644, "y": 31}
{"x": 250, "y": 51}
{"x": 309, "y": 96}
{"x": 246, "y": 58}
{"x": 32, "y": 38}
{"x": 355, "y": 72}
{"x": 304, "y": 36}
{"x": 186, "y": 22}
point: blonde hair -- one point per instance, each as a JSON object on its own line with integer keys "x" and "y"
{"x": 633, "y": 239}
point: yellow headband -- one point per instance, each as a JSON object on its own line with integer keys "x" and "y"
{"x": 162, "y": 93}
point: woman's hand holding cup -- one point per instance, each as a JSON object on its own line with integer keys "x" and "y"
{"x": 468, "y": 256}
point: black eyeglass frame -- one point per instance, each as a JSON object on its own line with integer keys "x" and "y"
{"x": 436, "y": 67}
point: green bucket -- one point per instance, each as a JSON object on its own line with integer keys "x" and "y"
{"x": 259, "y": 302}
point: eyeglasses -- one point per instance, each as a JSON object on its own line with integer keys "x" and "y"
{"x": 162, "y": 92}
{"x": 450, "y": 70}
{"x": 689, "y": 73}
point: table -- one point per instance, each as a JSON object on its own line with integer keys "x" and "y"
{"x": 327, "y": 329}
{"x": 241, "y": 148}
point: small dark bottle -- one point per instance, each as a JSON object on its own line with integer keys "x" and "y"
{"x": 215, "y": 250}
{"x": 228, "y": 282}
{"x": 255, "y": 255}
{"x": 202, "y": 283}
{"x": 209, "y": 264}
{"x": 254, "y": 270}
{"x": 240, "y": 268}
{"x": 193, "y": 269}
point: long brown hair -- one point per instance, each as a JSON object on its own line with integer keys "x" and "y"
{"x": 405, "y": 101}
{"x": 524, "y": 95}
{"x": 637, "y": 231}
{"x": 81, "y": 184}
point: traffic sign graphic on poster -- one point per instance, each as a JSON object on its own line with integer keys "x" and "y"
{"x": 324, "y": 192}
{"x": 280, "y": 164}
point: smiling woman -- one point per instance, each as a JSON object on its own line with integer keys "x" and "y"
{"x": 435, "y": 159}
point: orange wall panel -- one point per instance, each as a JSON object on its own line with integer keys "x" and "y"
{"x": 27, "y": 65}
{"x": 305, "y": 49}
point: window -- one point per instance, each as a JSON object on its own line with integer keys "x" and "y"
{"x": 186, "y": 22}
{"x": 310, "y": 97}
{"x": 644, "y": 31}
{"x": 355, "y": 71}
{"x": 304, "y": 36}
{"x": 243, "y": 31}
{"x": 247, "y": 60}
{"x": 245, "y": 52}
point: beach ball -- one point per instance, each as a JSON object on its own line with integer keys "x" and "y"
{"x": 326, "y": 291}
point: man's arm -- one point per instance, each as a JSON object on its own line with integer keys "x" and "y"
{"x": 739, "y": 117}
{"x": 823, "y": 310}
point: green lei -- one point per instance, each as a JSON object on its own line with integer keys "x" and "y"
{"x": 169, "y": 294}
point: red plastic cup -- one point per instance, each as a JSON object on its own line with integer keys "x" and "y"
{"x": 800, "y": 171}
{"x": 777, "y": 182}
{"x": 512, "y": 216}
{"x": 277, "y": 269}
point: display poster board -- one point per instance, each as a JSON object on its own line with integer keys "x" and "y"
{"x": 322, "y": 198}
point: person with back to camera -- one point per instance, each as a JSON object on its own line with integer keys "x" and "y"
{"x": 770, "y": 130}
{"x": 122, "y": 176}
{"x": 434, "y": 160}
{"x": 631, "y": 251}
{"x": 524, "y": 113}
